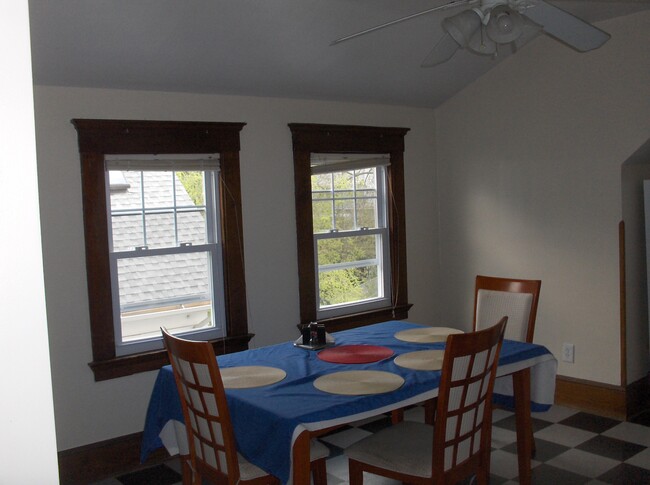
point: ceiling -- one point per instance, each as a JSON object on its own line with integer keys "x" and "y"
{"x": 275, "y": 48}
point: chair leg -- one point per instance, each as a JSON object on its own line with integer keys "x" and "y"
{"x": 355, "y": 472}
{"x": 186, "y": 467}
{"x": 430, "y": 411}
{"x": 397, "y": 416}
{"x": 319, "y": 472}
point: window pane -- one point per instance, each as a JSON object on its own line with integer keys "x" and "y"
{"x": 158, "y": 189}
{"x": 191, "y": 227}
{"x": 160, "y": 230}
{"x": 168, "y": 290}
{"x": 343, "y": 180}
{"x": 321, "y": 182}
{"x": 344, "y": 215}
{"x": 348, "y": 268}
{"x": 366, "y": 178}
{"x": 347, "y": 285}
{"x": 127, "y": 231}
{"x": 322, "y": 216}
{"x": 367, "y": 213}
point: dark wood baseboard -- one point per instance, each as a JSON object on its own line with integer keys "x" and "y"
{"x": 97, "y": 461}
{"x": 592, "y": 397}
{"x": 619, "y": 402}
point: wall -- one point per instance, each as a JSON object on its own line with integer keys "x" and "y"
{"x": 635, "y": 170}
{"x": 87, "y": 411}
{"x": 26, "y": 403}
{"x": 529, "y": 171}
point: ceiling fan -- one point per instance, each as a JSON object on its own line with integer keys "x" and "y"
{"x": 490, "y": 24}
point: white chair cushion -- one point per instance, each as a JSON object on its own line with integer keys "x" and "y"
{"x": 405, "y": 447}
{"x": 491, "y": 306}
{"x": 248, "y": 471}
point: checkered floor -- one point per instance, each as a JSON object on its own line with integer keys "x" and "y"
{"x": 573, "y": 448}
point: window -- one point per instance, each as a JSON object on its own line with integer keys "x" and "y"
{"x": 163, "y": 238}
{"x": 351, "y": 240}
{"x": 165, "y": 251}
{"x": 350, "y": 224}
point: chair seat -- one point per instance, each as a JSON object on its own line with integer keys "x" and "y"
{"x": 406, "y": 447}
{"x": 248, "y": 471}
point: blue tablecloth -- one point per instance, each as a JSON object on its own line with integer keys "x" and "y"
{"x": 266, "y": 418}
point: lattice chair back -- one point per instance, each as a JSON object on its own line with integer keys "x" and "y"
{"x": 213, "y": 452}
{"x": 516, "y": 299}
{"x": 462, "y": 433}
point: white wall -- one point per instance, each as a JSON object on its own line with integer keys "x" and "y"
{"x": 529, "y": 171}
{"x": 87, "y": 411}
{"x": 27, "y": 443}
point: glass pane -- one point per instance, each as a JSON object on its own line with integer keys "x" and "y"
{"x": 347, "y": 250}
{"x": 348, "y": 268}
{"x": 169, "y": 290}
{"x": 343, "y": 180}
{"x": 366, "y": 178}
{"x": 322, "y": 216}
{"x": 160, "y": 230}
{"x": 344, "y": 215}
{"x": 127, "y": 232}
{"x": 158, "y": 189}
{"x": 321, "y": 181}
{"x": 367, "y": 213}
{"x": 351, "y": 285}
{"x": 191, "y": 227}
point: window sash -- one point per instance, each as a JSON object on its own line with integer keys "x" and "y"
{"x": 382, "y": 262}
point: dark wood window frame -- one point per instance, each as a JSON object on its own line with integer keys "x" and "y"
{"x": 98, "y": 138}
{"x": 318, "y": 138}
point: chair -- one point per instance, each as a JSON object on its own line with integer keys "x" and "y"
{"x": 458, "y": 445}
{"x": 211, "y": 440}
{"x": 518, "y": 299}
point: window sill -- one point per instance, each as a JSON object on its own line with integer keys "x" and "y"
{"x": 344, "y": 322}
{"x": 148, "y": 361}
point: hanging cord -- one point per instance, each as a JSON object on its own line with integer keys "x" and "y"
{"x": 240, "y": 244}
{"x": 395, "y": 288}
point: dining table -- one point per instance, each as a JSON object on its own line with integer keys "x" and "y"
{"x": 275, "y": 423}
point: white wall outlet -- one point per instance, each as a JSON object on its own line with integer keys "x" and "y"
{"x": 568, "y": 352}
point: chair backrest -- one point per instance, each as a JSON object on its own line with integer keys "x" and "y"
{"x": 213, "y": 452}
{"x": 516, "y": 299}
{"x": 463, "y": 424}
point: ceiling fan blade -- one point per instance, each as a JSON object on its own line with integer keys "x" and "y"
{"x": 567, "y": 28}
{"x": 444, "y": 50}
{"x": 452, "y": 4}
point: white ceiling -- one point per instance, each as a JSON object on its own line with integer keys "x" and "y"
{"x": 277, "y": 48}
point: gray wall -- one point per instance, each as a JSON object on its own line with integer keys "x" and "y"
{"x": 529, "y": 171}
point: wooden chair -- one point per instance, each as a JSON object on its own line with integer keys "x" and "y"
{"x": 211, "y": 441}
{"x": 458, "y": 445}
{"x": 517, "y": 299}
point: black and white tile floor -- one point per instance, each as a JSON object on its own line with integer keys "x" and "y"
{"x": 573, "y": 448}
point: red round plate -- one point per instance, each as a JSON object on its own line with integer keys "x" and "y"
{"x": 355, "y": 354}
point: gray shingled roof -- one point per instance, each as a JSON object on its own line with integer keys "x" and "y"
{"x": 158, "y": 279}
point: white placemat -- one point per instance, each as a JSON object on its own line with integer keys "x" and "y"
{"x": 421, "y": 360}
{"x": 248, "y": 376}
{"x": 359, "y": 382}
{"x": 426, "y": 334}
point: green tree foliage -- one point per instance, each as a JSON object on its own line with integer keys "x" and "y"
{"x": 193, "y": 183}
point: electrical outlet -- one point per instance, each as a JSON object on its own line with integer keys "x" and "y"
{"x": 568, "y": 352}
